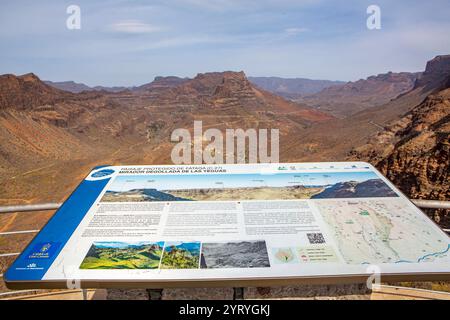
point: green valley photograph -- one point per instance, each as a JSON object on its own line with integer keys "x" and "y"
{"x": 181, "y": 255}
{"x": 123, "y": 255}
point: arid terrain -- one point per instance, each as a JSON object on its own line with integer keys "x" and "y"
{"x": 50, "y": 138}
{"x": 346, "y": 99}
{"x": 54, "y": 136}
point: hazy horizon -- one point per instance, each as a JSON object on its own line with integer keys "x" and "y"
{"x": 128, "y": 42}
{"x": 247, "y": 75}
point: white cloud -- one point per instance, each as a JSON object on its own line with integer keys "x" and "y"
{"x": 183, "y": 41}
{"x": 294, "y": 31}
{"x": 134, "y": 26}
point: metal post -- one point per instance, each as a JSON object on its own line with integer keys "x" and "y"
{"x": 238, "y": 293}
{"x": 154, "y": 294}
{"x": 85, "y": 294}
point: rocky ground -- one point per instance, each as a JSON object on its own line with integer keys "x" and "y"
{"x": 304, "y": 292}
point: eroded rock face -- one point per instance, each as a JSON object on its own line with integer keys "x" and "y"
{"x": 414, "y": 152}
{"x": 436, "y": 73}
{"x": 234, "y": 85}
{"x": 26, "y": 92}
{"x": 42, "y": 125}
{"x": 161, "y": 83}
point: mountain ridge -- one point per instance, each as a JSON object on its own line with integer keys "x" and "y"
{"x": 76, "y": 87}
{"x": 292, "y": 88}
{"x": 79, "y": 131}
{"x": 26, "y": 92}
{"x": 352, "y": 97}
{"x": 416, "y": 145}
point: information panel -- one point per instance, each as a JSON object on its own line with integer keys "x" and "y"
{"x": 220, "y": 225}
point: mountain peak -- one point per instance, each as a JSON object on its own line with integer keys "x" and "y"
{"x": 26, "y": 91}
{"x": 438, "y": 61}
{"x": 234, "y": 84}
{"x": 161, "y": 83}
{"x": 168, "y": 81}
{"x": 218, "y": 76}
{"x": 29, "y": 77}
{"x": 206, "y": 83}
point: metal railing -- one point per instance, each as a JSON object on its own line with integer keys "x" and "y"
{"x": 30, "y": 207}
{"x": 425, "y": 204}
{"x": 431, "y": 204}
{"x": 18, "y": 232}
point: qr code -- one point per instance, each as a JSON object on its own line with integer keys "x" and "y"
{"x": 315, "y": 238}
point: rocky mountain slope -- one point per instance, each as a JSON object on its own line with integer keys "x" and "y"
{"x": 414, "y": 152}
{"x": 27, "y": 92}
{"x": 436, "y": 73}
{"x": 161, "y": 83}
{"x": 352, "y": 97}
{"x": 335, "y": 139}
{"x": 51, "y": 137}
{"x": 46, "y": 133}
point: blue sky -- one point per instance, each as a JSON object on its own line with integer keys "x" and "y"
{"x": 129, "y": 42}
{"x": 173, "y": 182}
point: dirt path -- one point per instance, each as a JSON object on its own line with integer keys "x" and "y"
{"x": 31, "y": 171}
{"x": 9, "y": 223}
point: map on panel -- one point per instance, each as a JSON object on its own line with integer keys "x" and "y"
{"x": 376, "y": 231}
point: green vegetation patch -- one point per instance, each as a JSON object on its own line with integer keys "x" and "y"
{"x": 122, "y": 255}
{"x": 181, "y": 255}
